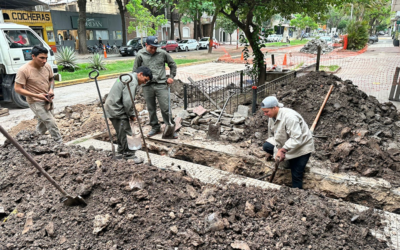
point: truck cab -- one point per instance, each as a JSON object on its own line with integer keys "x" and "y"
{"x": 16, "y": 42}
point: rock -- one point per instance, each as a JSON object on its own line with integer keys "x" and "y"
{"x": 59, "y": 116}
{"x": 215, "y": 223}
{"x": 397, "y": 124}
{"x": 199, "y": 110}
{"x": 239, "y": 120}
{"x": 345, "y": 132}
{"x": 2, "y": 212}
{"x": 121, "y": 210}
{"x": 76, "y": 116}
{"x": 62, "y": 240}
{"x": 304, "y": 219}
{"x": 206, "y": 196}
{"x": 101, "y": 222}
{"x": 139, "y": 107}
{"x": 28, "y": 223}
{"x": 249, "y": 209}
{"x": 370, "y": 114}
{"x": 141, "y": 194}
{"x": 50, "y": 229}
{"x": 370, "y": 172}
{"x": 259, "y": 153}
{"x": 192, "y": 192}
{"x": 258, "y": 135}
{"x": 64, "y": 154}
{"x": 172, "y": 215}
{"x": 239, "y": 131}
{"x": 240, "y": 245}
{"x": 195, "y": 121}
{"x": 237, "y": 115}
{"x": 136, "y": 183}
{"x": 183, "y": 114}
{"x": 68, "y": 109}
{"x": 362, "y": 132}
{"x": 233, "y": 137}
{"x": 174, "y": 229}
{"x": 131, "y": 216}
{"x": 204, "y": 121}
{"x": 85, "y": 190}
{"x": 243, "y": 110}
{"x": 20, "y": 215}
{"x": 387, "y": 121}
{"x": 341, "y": 151}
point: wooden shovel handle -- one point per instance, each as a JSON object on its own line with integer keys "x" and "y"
{"x": 320, "y": 110}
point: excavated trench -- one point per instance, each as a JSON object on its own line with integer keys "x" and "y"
{"x": 370, "y": 192}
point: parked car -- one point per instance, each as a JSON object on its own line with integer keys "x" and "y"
{"x": 169, "y": 45}
{"x": 381, "y": 33}
{"x": 373, "y": 39}
{"x": 132, "y": 47}
{"x": 272, "y": 38}
{"x": 188, "y": 44}
{"x": 327, "y": 39}
{"x": 204, "y": 42}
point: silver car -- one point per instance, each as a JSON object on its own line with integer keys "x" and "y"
{"x": 188, "y": 44}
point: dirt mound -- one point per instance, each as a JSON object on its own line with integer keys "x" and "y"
{"x": 141, "y": 207}
{"x": 355, "y": 131}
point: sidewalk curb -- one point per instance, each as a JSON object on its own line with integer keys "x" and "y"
{"x": 114, "y": 75}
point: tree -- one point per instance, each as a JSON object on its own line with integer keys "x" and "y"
{"x": 357, "y": 35}
{"x": 342, "y": 25}
{"x": 303, "y": 21}
{"x": 248, "y": 15}
{"x": 377, "y": 12}
{"x": 122, "y": 10}
{"x": 82, "y": 27}
{"x": 144, "y": 21}
{"x": 227, "y": 25}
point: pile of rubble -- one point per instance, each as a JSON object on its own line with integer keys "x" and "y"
{"x": 355, "y": 132}
{"x": 142, "y": 207}
{"x": 232, "y": 126}
{"x": 312, "y": 47}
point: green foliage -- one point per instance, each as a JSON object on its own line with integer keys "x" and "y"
{"x": 357, "y": 35}
{"x": 303, "y": 21}
{"x": 342, "y": 25}
{"x": 144, "y": 21}
{"x": 66, "y": 58}
{"x": 96, "y": 62}
{"x": 226, "y": 24}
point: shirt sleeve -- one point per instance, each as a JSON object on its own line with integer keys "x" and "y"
{"x": 296, "y": 138}
{"x": 172, "y": 65}
{"x": 128, "y": 106}
{"x": 20, "y": 77}
{"x": 137, "y": 63}
{"x": 50, "y": 71}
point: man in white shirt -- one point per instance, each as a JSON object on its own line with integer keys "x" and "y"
{"x": 288, "y": 138}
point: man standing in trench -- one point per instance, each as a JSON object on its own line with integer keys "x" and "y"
{"x": 119, "y": 109}
{"x": 35, "y": 81}
{"x": 288, "y": 138}
{"x": 155, "y": 59}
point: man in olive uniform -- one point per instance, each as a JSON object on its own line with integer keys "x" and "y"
{"x": 119, "y": 110}
{"x": 155, "y": 59}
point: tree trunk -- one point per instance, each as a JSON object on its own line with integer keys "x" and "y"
{"x": 257, "y": 52}
{"x": 200, "y": 33}
{"x": 122, "y": 11}
{"x": 230, "y": 35}
{"x": 212, "y": 30}
{"x": 195, "y": 29}
{"x": 172, "y": 25}
{"x": 179, "y": 27}
{"x": 82, "y": 27}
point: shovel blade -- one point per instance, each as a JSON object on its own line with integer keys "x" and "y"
{"x": 74, "y": 201}
{"x": 134, "y": 143}
{"x": 169, "y": 132}
{"x": 214, "y": 131}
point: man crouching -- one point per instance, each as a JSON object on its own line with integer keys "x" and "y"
{"x": 120, "y": 110}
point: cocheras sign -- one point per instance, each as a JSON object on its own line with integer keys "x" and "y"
{"x": 26, "y": 16}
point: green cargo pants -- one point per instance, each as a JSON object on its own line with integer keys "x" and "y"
{"x": 123, "y": 128}
{"x": 152, "y": 91}
{"x": 46, "y": 121}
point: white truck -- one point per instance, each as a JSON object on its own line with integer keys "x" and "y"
{"x": 16, "y": 42}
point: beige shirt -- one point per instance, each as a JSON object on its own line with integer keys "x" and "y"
{"x": 290, "y": 131}
{"x": 35, "y": 80}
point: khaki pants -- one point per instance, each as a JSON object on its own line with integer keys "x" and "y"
{"x": 159, "y": 91}
{"x": 46, "y": 121}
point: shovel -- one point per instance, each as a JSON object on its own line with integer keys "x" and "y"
{"x": 68, "y": 200}
{"x": 277, "y": 161}
{"x": 104, "y": 112}
{"x": 169, "y": 129}
{"x": 214, "y": 130}
{"x": 132, "y": 142}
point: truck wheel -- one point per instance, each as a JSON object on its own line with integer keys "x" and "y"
{"x": 18, "y": 99}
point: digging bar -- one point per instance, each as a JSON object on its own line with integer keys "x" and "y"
{"x": 104, "y": 112}
{"x": 126, "y": 82}
{"x": 68, "y": 200}
{"x": 214, "y": 130}
{"x": 169, "y": 129}
{"x": 277, "y": 161}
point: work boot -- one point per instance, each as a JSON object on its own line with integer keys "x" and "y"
{"x": 153, "y": 132}
{"x": 136, "y": 160}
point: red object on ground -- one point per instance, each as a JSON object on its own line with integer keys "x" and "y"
{"x": 284, "y": 61}
{"x": 345, "y": 42}
{"x": 242, "y": 57}
{"x": 254, "y": 87}
{"x": 105, "y": 52}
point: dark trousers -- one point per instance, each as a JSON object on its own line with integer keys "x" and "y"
{"x": 123, "y": 128}
{"x": 297, "y": 165}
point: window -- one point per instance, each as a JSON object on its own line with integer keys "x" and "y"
{"x": 50, "y": 36}
{"x": 119, "y": 35}
{"x": 90, "y": 35}
{"x": 186, "y": 32}
{"x": 103, "y": 34}
{"x": 21, "y": 38}
{"x": 140, "y": 33}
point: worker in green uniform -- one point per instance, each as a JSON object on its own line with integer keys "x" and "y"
{"x": 155, "y": 58}
{"x": 119, "y": 110}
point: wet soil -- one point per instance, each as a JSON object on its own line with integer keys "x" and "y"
{"x": 355, "y": 132}
{"x": 141, "y": 207}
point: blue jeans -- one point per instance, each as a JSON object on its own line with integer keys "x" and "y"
{"x": 297, "y": 165}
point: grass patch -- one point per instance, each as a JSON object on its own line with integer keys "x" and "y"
{"x": 292, "y": 43}
{"x": 331, "y": 68}
{"x": 299, "y": 65}
{"x": 112, "y": 67}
